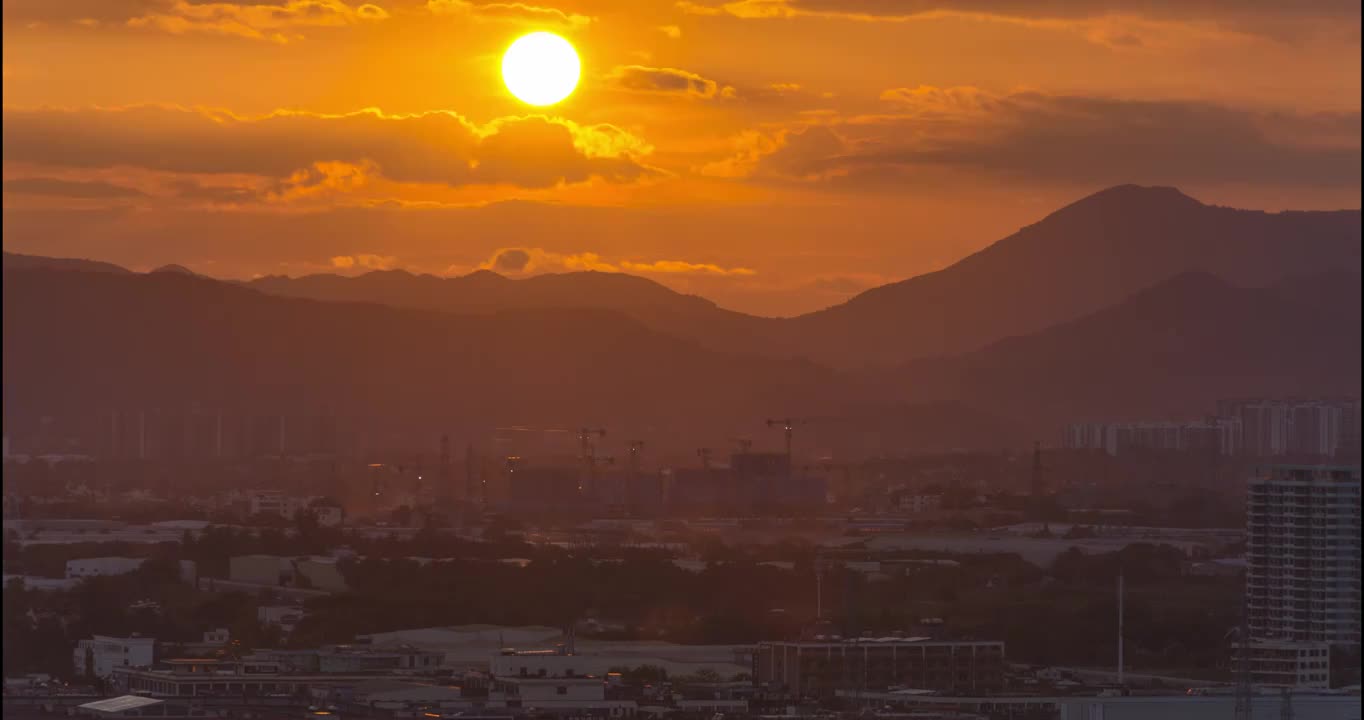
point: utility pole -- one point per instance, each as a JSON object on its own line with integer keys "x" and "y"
{"x": 819, "y": 586}
{"x": 632, "y": 489}
{"x": 443, "y": 495}
{"x": 1120, "y": 629}
{"x": 471, "y": 476}
{"x": 1038, "y": 490}
{"x": 1245, "y": 693}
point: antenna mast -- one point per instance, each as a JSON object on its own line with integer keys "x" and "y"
{"x": 1120, "y": 629}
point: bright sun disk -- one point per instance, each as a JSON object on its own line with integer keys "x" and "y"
{"x": 540, "y": 68}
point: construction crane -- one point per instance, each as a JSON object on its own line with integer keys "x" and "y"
{"x": 787, "y": 425}
{"x": 585, "y": 440}
{"x": 587, "y": 451}
{"x": 591, "y": 464}
{"x": 635, "y": 447}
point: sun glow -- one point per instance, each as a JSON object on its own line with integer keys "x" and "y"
{"x": 541, "y": 68}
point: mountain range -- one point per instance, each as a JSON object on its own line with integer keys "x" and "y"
{"x": 1079, "y": 259}
{"x": 1134, "y": 302}
{"x": 1084, "y": 257}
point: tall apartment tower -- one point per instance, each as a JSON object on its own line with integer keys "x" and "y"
{"x": 1303, "y": 526}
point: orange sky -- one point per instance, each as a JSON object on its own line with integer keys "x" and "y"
{"x": 776, "y": 156}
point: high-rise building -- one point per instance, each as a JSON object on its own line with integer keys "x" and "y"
{"x": 1214, "y": 435}
{"x": 1299, "y": 428}
{"x": 1303, "y": 526}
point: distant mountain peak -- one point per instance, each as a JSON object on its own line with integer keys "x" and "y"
{"x": 17, "y": 261}
{"x": 177, "y": 269}
{"x": 1120, "y": 197}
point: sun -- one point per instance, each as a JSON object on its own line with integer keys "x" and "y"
{"x": 540, "y": 68}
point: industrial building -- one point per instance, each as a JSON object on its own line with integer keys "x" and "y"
{"x": 101, "y": 655}
{"x": 101, "y": 567}
{"x": 820, "y": 667}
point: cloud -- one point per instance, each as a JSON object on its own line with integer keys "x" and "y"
{"x": 906, "y": 10}
{"x": 671, "y": 31}
{"x": 539, "y": 260}
{"x": 511, "y": 260}
{"x": 1123, "y": 25}
{"x": 667, "y": 81}
{"x": 258, "y": 21}
{"x": 74, "y": 189}
{"x": 680, "y": 266}
{"x": 23, "y": 12}
{"x": 321, "y": 178}
{"x": 927, "y": 100}
{"x": 301, "y": 150}
{"x": 1036, "y": 137}
{"x": 192, "y": 190}
{"x": 513, "y": 11}
{"x": 365, "y": 261}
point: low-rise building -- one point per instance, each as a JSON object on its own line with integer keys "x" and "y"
{"x": 284, "y": 617}
{"x": 1285, "y": 664}
{"x": 101, "y": 567}
{"x": 820, "y": 667}
{"x": 101, "y": 654}
{"x": 126, "y": 706}
{"x": 920, "y": 503}
{"x": 527, "y": 691}
{"x": 273, "y": 502}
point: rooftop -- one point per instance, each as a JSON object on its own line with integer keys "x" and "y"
{"x": 120, "y": 704}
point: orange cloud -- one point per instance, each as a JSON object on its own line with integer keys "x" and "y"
{"x": 680, "y": 266}
{"x": 506, "y": 11}
{"x": 931, "y": 132}
{"x": 332, "y": 152}
{"x": 257, "y": 21}
{"x": 1137, "y": 25}
{"x": 665, "y": 81}
{"x": 322, "y": 178}
{"x": 364, "y": 261}
{"x": 539, "y": 260}
{"x": 929, "y": 99}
